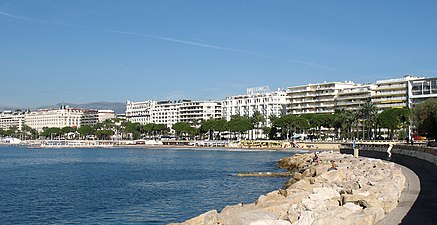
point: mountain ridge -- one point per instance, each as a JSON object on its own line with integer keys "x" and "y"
{"x": 118, "y": 107}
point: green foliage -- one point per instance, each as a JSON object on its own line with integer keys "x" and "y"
{"x": 425, "y": 118}
{"x": 51, "y": 132}
{"x": 66, "y": 130}
{"x": 85, "y": 130}
{"x": 154, "y": 129}
{"x": 212, "y": 125}
{"x": 103, "y": 134}
{"x": 257, "y": 119}
{"x": 394, "y": 118}
{"x": 182, "y": 127}
{"x": 28, "y": 132}
{"x": 239, "y": 124}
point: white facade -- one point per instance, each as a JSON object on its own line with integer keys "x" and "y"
{"x": 391, "y": 93}
{"x": 171, "y": 112}
{"x": 10, "y": 119}
{"x": 353, "y": 98}
{"x": 421, "y": 89}
{"x": 261, "y": 100}
{"x": 315, "y": 98}
{"x": 105, "y": 114}
{"x": 197, "y": 111}
{"x": 63, "y": 117}
{"x": 139, "y": 112}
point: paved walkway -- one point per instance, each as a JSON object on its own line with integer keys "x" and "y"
{"x": 424, "y": 209}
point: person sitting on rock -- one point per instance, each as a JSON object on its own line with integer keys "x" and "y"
{"x": 333, "y": 166}
{"x": 316, "y": 158}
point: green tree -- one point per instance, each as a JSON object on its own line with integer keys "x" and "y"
{"x": 257, "y": 120}
{"x": 368, "y": 114}
{"x": 134, "y": 129}
{"x": 344, "y": 121}
{"x": 103, "y": 134}
{"x": 182, "y": 128}
{"x": 239, "y": 124}
{"x": 13, "y": 132}
{"x": 85, "y": 130}
{"x": 51, "y": 132}
{"x": 425, "y": 118}
{"x": 287, "y": 123}
{"x": 393, "y": 119}
{"x": 28, "y": 132}
{"x": 154, "y": 130}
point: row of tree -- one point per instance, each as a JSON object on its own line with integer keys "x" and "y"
{"x": 365, "y": 123}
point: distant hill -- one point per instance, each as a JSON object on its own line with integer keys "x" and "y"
{"x": 8, "y": 108}
{"x": 118, "y": 107}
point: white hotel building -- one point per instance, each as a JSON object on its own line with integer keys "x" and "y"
{"x": 10, "y": 119}
{"x": 62, "y": 117}
{"x": 259, "y": 99}
{"x": 171, "y": 112}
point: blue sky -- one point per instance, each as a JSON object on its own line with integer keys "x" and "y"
{"x": 85, "y": 51}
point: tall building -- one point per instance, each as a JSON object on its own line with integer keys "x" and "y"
{"x": 171, "y": 112}
{"x": 10, "y": 119}
{"x": 139, "y": 112}
{"x": 62, "y": 117}
{"x": 104, "y": 114}
{"x": 392, "y": 93}
{"x": 192, "y": 112}
{"x": 259, "y": 99}
{"x": 315, "y": 98}
{"x": 353, "y": 98}
{"x": 421, "y": 89}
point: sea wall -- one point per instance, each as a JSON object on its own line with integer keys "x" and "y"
{"x": 334, "y": 189}
{"x": 407, "y": 155}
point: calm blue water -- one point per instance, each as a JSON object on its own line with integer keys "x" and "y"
{"x": 126, "y": 186}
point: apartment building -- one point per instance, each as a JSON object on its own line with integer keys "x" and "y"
{"x": 171, "y": 112}
{"x": 62, "y": 117}
{"x": 259, "y": 99}
{"x": 421, "y": 89}
{"x": 392, "y": 93}
{"x": 10, "y": 119}
{"x": 353, "y": 98}
{"x": 104, "y": 114}
{"x": 315, "y": 98}
{"x": 196, "y": 111}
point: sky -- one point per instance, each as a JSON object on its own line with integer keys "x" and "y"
{"x": 82, "y": 51}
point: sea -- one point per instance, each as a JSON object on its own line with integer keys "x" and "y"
{"x": 128, "y": 185}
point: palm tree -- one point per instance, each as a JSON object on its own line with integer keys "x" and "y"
{"x": 257, "y": 120}
{"x": 368, "y": 114}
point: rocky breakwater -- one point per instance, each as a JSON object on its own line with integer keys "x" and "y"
{"x": 358, "y": 191}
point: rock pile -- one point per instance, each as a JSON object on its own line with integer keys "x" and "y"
{"x": 358, "y": 191}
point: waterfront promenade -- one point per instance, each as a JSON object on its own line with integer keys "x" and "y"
{"x": 422, "y": 210}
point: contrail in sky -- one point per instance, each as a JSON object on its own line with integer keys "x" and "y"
{"x": 198, "y": 44}
{"x": 174, "y": 40}
{"x": 37, "y": 20}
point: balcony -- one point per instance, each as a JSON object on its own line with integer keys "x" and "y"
{"x": 390, "y": 93}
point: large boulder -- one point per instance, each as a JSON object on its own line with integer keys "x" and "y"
{"x": 208, "y": 218}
